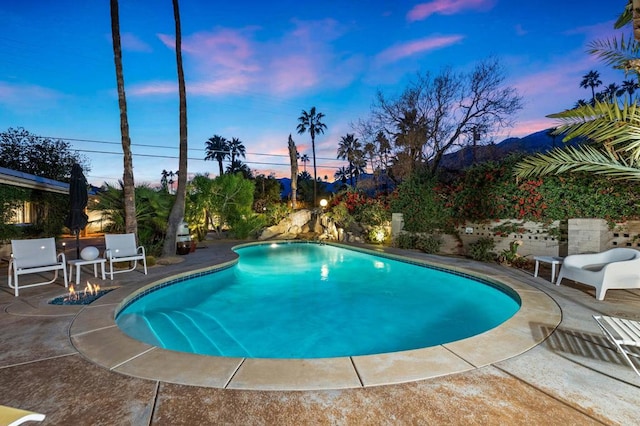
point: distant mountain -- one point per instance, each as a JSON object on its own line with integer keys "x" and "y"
{"x": 536, "y": 142}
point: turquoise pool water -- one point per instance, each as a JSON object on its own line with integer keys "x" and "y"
{"x": 303, "y": 300}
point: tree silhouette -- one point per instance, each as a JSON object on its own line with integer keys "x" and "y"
{"x": 312, "y": 122}
{"x": 592, "y": 80}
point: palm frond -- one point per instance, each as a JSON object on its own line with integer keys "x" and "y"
{"x": 620, "y": 54}
{"x": 607, "y": 123}
{"x": 626, "y": 16}
{"x": 578, "y": 159}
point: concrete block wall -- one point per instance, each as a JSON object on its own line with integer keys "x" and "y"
{"x": 625, "y": 234}
{"x": 536, "y": 239}
{"x": 587, "y": 236}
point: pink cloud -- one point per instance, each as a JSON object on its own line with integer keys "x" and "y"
{"x": 132, "y": 43}
{"x": 411, "y": 48}
{"x": 292, "y": 73}
{"x": 527, "y": 127}
{"x": 226, "y": 48}
{"x": 227, "y": 60}
{"x": 153, "y": 88}
{"x": 446, "y": 7}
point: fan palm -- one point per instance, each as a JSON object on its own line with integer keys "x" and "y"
{"x": 237, "y": 149}
{"x": 217, "y": 149}
{"x": 592, "y": 80}
{"x": 312, "y": 122}
{"x": 350, "y": 149}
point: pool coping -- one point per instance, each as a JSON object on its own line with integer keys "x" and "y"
{"x": 96, "y": 336}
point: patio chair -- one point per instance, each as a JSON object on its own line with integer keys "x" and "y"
{"x": 122, "y": 248}
{"x": 14, "y": 416}
{"x": 623, "y": 334}
{"x": 35, "y": 256}
{"x": 616, "y": 268}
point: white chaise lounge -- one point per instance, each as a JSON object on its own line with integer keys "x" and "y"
{"x": 122, "y": 248}
{"x": 623, "y": 334}
{"x": 35, "y": 256}
{"x": 617, "y": 268}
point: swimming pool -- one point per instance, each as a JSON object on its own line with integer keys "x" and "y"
{"x": 303, "y": 300}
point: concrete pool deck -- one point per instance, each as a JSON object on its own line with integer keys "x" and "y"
{"x": 70, "y": 364}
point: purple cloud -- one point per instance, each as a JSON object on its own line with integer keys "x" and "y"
{"x": 446, "y": 7}
{"x": 414, "y": 47}
{"x": 131, "y": 42}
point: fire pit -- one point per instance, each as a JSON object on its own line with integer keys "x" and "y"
{"x": 84, "y": 297}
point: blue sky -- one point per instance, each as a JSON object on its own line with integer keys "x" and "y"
{"x": 252, "y": 67}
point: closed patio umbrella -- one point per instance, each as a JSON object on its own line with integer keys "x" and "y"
{"x": 78, "y": 198}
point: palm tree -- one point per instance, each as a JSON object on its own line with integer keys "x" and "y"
{"x": 305, "y": 160}
{"x": 237, "y": 166}
{"x": 164, "y": 180}
{"x": 312, "y": 122}
{"x": 341, "y": 174}
{"x": 592, "y": 80}
{"x": 610, "y": 92}
{"x": 350, "y": 149}
{"x": 628, "y": 86}
{"x": 217, "y": 148}
{"x": 237, "y": 149}
{"x": 177, "y": 211}
{"x": 131, "y": 224}
{"x": 613, "y": 128}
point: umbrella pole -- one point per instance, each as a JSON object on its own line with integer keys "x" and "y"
{"x": 77, "y": 244}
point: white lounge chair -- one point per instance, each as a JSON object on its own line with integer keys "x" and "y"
{"x": 122, "y": 248}
{"x": 14, "y": 416}
{"x": 623, "y": 334}
{"x": 617, "y": 268}
{"x": 34, "y": 256}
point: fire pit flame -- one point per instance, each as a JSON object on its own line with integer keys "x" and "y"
{"x": 89, "y": 290}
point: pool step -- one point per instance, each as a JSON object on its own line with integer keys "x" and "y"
{"x": 193, "y": 331}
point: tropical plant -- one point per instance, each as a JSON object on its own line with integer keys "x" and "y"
{"x": 481, "y": 250}
{"x": 217, "y": 149}
{"x": 178, "y": 209}
{"x": 312, "y": 122}
{"x": 237, "y": 166}
{"x": 151, "y": 213}
{"x": 612, "y": 127}
{"x": 131, "y": 225}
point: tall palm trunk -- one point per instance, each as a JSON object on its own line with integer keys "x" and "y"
{"x": 315, "y": 173}
{"x": 131, "y": 224}
{"x": 177, "y": 211}
{"x": 294, "y": 172}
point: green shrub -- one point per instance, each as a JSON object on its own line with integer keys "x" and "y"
{"x": 246, "y": 226}
{"x": 429, "y": 243}
{"x": 276, "y": 212}
{"x": 405, "y": 240}
{"x": 481, "y": 250}
{"x": 423, "y": 208}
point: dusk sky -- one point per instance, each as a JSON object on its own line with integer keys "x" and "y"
{"x": 252, "y": 67}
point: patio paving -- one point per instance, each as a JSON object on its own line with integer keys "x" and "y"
{"x": 572, "y": 377}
